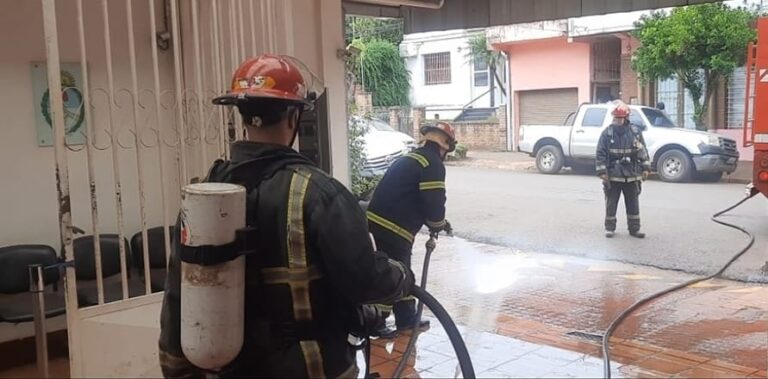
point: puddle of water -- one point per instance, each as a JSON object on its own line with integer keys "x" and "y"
{"x": 491, "y": 274}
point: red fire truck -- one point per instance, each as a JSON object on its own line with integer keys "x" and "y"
{"x": 756, "y": 113}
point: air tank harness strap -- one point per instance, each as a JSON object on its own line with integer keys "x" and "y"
{"x": 245, "y": 243}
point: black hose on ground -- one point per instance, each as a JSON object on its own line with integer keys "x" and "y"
{"x": 462, "y": 354}
{"x": 420, "y": 293}
{"x": 623, "y": 315}
{"x": 430, "y": 247}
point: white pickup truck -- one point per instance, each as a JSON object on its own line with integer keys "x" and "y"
{"x": 678, "y": 154}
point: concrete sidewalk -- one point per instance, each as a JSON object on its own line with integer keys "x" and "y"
{"x": 517, "y": 161}
{"x": 530, "y": 315}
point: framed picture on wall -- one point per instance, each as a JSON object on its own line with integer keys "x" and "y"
{"x": 72, "y": 97}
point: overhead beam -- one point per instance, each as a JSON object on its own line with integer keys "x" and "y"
{"x": 466, "y": 14}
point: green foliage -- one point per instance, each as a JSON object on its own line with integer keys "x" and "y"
{"x": 382, "y": 71}
{"x": 478, "y": 50}
{"x": 367, "y": 29}
{"x": 365, "y": 187}
{"x": 356, "y": 152}
{"x": 700, "y": 45}
{"x": 459, "y": 154}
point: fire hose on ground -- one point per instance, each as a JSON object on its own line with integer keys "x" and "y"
{"x": 420, "y": 293}
{"x": 624, "y": 314}
{"x": 425, "y": 298}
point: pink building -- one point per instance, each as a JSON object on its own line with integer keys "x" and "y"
{"x": 556, "y": 65}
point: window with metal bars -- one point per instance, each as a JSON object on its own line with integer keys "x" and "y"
{"x": 437, "y": 68}
{"x": 606, "y": 61}
{"x": 677, "y": 102}
{"x": 736, "y": 90}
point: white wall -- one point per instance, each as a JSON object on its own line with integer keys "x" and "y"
{"x": 28, "y": 196}
{"x": 444, "y": 99}
{"x": 28, "y": 191}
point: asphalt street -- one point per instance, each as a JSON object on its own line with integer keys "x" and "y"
{"x": 564, "y": 213}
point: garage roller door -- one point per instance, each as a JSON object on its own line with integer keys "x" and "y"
{"x": 550, "y": 106}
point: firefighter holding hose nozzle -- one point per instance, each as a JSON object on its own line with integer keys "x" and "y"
{"x": 411, "y": 195}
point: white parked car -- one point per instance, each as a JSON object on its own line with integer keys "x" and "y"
{"x": 678, "y": 154}
{"x": 383, "y": 145}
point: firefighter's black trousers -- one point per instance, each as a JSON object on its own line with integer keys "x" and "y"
{"x": 613, "y": 191}
{"x": 405, "y": 310}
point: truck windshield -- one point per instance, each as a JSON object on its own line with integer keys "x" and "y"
{"x": 658, "y": 118}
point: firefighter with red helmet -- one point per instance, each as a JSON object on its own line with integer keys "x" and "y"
{"x": 410, "y": 195}
{"x": 623, "y": 164}
{"x": 313, "y": 263}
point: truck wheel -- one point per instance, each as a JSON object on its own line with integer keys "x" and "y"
{"x": 709, "y": 177}
{"x": 549, "y": 159}
{"x": 675, "y": 166}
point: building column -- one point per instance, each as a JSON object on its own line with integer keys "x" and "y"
{"x": 394, "y": 118}
{"x": 332, "y": 39}
{"x": 419, "y": 114}
{"x": 501, "y": 115}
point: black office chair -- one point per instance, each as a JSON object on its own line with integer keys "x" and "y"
{"x": 15, "y": 298}
{"x": 85, "y": 270}
{"x": 157, "y": 260}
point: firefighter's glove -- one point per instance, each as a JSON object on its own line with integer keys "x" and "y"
{"x": 408, "y": 279}
{"x": 448, "y": 228}
{"x": 604, "y": 177}
{"x": 645, "y": 175}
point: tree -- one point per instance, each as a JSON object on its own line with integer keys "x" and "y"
{"x": 478, "y": 50}
{"x": 382, "y": 71}
{"x": 367, "y": 29}
{"x": 700, "y": 45}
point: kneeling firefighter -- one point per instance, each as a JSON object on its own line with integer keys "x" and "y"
{"x": 623, "y": 164}
{"x": 410, "y": 195}
{"x": 310, "y": 263}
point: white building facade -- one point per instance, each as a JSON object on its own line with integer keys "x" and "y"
{"x": 444, "y": 79}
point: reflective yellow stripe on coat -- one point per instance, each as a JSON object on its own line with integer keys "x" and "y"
{"x": 389, "y": 225}
{"x": 424, "y": 186}
{"x": 420, "y": 158}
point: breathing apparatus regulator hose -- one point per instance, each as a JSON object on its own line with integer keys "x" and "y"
{"x": 624, "y": 314}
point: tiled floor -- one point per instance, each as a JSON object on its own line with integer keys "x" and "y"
{"x": 499, "y": 356}
{"x": 518, "y": 308}
{"x": 58, "y": 368}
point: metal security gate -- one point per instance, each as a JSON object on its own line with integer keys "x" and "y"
{"x": 144, "y": 73}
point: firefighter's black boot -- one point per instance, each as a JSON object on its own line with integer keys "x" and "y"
{"x": 423, "y": 325}
{"x": 609, "y": 233}
{"x": 637, "y": 234}
{"x": 384, "y": 332}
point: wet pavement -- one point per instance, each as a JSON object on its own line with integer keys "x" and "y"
{"x": 531, "y": 315}
{"x": 564, "y": 214}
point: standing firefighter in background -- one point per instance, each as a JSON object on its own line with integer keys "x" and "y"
{"x": 313, "y": 263}
{"x": 411, "y": 194}
{"x": 623, "y": 164}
